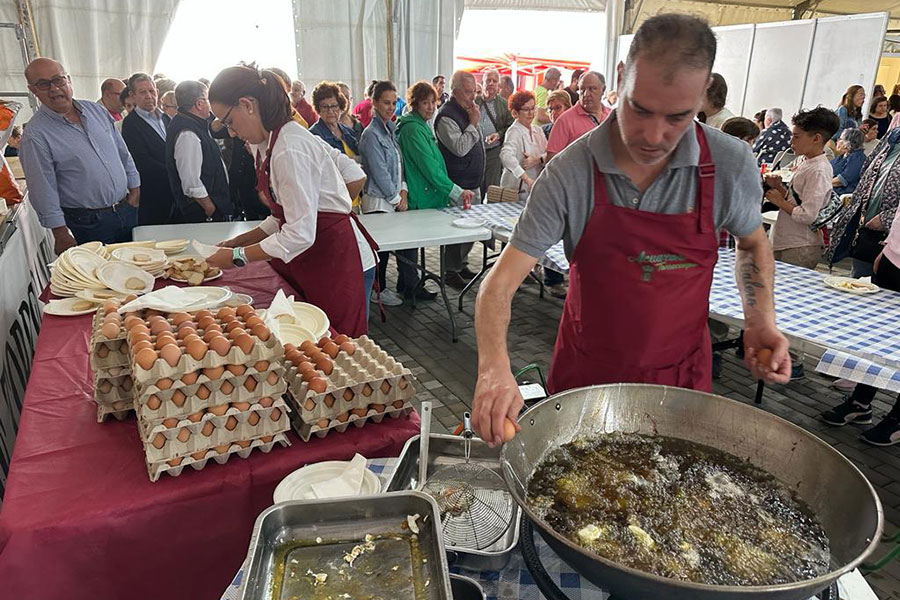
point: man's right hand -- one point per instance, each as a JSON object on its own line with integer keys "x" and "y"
{"x": 466, "y": 196}
{"x": 474, "y": 114}
{"x": 497, "y": 397}
{"x": 62, "y": 240}
{"x": 207, "y": 205}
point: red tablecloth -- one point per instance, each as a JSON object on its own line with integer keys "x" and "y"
{"x": 81, "y": 519}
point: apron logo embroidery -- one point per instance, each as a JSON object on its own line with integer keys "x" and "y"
{"x": 660, "y": 262}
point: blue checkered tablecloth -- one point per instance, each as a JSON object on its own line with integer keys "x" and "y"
{"x": 860, "y": 370}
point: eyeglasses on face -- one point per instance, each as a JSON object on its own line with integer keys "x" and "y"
{"x": 226, "y": 121}
{"x": 329, "y": 107}
{"x": 59, "y": 82}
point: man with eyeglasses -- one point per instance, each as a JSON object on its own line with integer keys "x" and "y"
{"x": 144, "y": 132}
{"x": 81, "y": 178}
{"x": 167, "y": 103}
{"x": 110, "y": 90}
{"x": 586, "y": 114}
{"x": 194, "y": 163}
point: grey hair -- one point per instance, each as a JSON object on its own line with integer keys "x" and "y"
{"x": 775, "y": 114}
{"x": 854, "y": 138}
{"x": 485, "y": 74}
{"x": 596, "y": 74}
{"x": 552, "y": 73}
{"x": 165, "y": 85}
{"x": 458, "y": 77}
{"x": 134, "y": 79}
{"x": 187, "y": 93}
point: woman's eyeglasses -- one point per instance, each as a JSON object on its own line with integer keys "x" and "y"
{"x": 225, "y": 121}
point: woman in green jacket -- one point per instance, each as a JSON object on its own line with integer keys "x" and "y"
{"x": 423, "y": 165}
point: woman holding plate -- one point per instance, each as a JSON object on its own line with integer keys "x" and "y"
{"x": 312, "y": 238}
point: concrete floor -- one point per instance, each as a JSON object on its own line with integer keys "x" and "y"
{"x": 446, "y": 373}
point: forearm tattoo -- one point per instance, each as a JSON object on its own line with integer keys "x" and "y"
{"x": 748, "y": 272}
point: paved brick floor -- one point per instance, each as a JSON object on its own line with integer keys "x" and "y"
{"x": 446, "y": 373}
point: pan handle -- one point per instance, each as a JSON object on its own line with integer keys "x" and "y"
{"x": 533, "y": 562}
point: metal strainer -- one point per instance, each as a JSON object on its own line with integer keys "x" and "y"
{"x": 476, "y": 508}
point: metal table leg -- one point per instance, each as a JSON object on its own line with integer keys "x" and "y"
{"x": 440, "y": 282}
{"x": 486, "y": 264}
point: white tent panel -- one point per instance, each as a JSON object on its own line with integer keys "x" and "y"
{"x": 734, "y": 47}
{"x": 778, "y": 66}
{"x": 564, "y": 5}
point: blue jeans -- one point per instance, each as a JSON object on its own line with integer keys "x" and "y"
{"x": 368, "y": 280}
{"x": 109, "y": 227}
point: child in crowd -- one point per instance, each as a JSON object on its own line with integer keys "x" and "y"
{"x": 741, "y": 128}
{"x": 793, "y": 241}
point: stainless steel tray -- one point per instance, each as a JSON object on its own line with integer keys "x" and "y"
{"x": 293, "y": 541}
{"x": 448, "y": 450}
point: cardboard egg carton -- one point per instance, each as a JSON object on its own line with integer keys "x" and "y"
{"x": 339, "y": 424}
{"x": 116, "y": 410}
{"x": 369, "y": 376}
{"x": 241, "y": 448}
{"x": 107, "y": 352}
{"x": 181, "y": 399}
{"x": 113, "y": 392}
{"x": 210, "y": 430}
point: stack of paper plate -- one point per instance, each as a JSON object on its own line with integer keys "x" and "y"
{"x": 125, "y": 278}
{"x": 69, "y": 307}
{"x": 74, "y": 271}
{"x": 172, "y": 246}
{"x": 152, "y": 260}
{"x": 312, "y": 318}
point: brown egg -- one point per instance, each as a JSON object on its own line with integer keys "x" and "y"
{"x": 232, "y": 325}
{"x": 164, "y": 383}
{"x": 261, "y": 331}
{"x": 211, "y": 334}
{"x": 195, "y": 417}
{"x": 261, "y": 366}
{"x": 105, "y": 387}
{"x": 184, "y": 435}
{"x": 379, "y": 408}
{"x": 213, "y": 327}
{"x": 220, "y": 346}
{"x": 253, "y": 419}
{"x": 153, "y": 402}
{"x": 179, "y": 318}
{"x": 322, "y": 423}
{"x": 208, "y": 429}
{"x": 308, "y": 376}
{"x": 157, "y": 327}
{"x": 165, "y": 340}
{"x": 324, "y": 340}
{"x": 139, "y": 337}
{"x": 174, "y": 462}
{"x": 324, "y": 365}
{"x": 403, "y": 383}
{"x": 110, "y": 330}
{"x": 159, "y": 440}
{"x": 308, "y": 347}
{"x": 127, "y": 384}
{"x": 231, "y": 423}
{"x": 197, "y": 348}
{"x": 120, "y": 405}
{"x": 185, "y": 331}
{"x": 178, "y": 398}
{"x": 189, "y": 323}
{"x": 309, "y": 404}
{"x": 202, "y": 313}
{"x": 250, "y": 384}
{"x": 103, "y": 350}
{"x": 171, "y": 354}
{"x": 266, "y": 401}
{"x": 225, "y": 311}
{"x": 191, "y": 337}
{"x": 112, "y": 318}
{"x": 317, "y": 355}
{"x": 202, "y": 392}
{"x": 275, "y": 414}
{"x": 244, "y": 342}
{"x": 385, "y": 387}
{"x": 111, "y": 304}
{"x": 318, "y": 385}
{"x": 170, "y": 422}
{"x": 145, "y": 358}
{"x": 349, "y": 348}
{"x": 204, "y": 322}
{"x": 213, "y": 373}
{"x": 130, "y": 298}
{"x": 267, "y": 438}
{"x": 294, "y": 356}
{"x": 367, "y": 390}
{"x": 244, "y": 443}
{"x": 509, "y": 429}
{"x": 341, "y": 339}
{"x": 305, "y": 366}
{"x": 140, "y": 328}
{"x": 348, "y": 395}
{"x": 236, "y": 332}
{"x": 272, "y": 379}
{"x": 329, "y": 400}
{"x": 243, "y": 309}
{"x": 288, "y": 347}
{"x": 218, "y": 410}
{"x": 241, "y": 406}
{"x": 227, "y": 387}
{"x": 131, "y": 321}
{"x": 228, "y": 319}
{"x": 236, "y": 369}
{"x": 223, "y": 448}
{"x": 398, "y": 404}
{"x": 343, "y": 417}
{"x": 189, "y": 378}
{"x": 252, "y": 321}
{"x": 359, "y": 412}
{"x": 331, "y": 349}
{"x": 200, "y": 455}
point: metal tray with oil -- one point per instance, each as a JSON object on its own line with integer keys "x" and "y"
{"x": 447, "y": 450}
{"x": 306, "y": 550}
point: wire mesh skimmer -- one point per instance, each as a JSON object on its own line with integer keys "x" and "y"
{"x": 476, "y": 508}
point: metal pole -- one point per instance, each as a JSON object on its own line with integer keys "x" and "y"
{"x": 389, "y": 28}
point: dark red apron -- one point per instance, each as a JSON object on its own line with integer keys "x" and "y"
{"x": 638, "y": 296}
{"x": 328, "y": 273}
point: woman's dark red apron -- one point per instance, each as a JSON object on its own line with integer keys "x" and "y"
{"x": 329, "y": 273}
{"x": 638, "y": 296}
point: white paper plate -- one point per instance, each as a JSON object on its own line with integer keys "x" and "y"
{"x": 238, "y": 299}
{"x": 208, "y": 296}
{"x": 179, "y": 280}
{"x": 65, "y": 307}
{"x": 311, "y": 317}
{"x": 114, "y": 275}
{"x": 298, "y": 485}
{"x": 860, "y": 287}
{"x": 94, "y": 295}
{"x": 295, "y": 334}
{"x": 172, "y": 246}
{"x": 468, "y": 223}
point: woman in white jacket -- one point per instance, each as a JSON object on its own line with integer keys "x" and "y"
{"x": 525, "y": 148}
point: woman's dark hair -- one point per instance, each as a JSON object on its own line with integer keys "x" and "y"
{"x": 16, "y": 132}
{"x": 818, "y": 120}
{"x": 740, "y": 128}
{"x": 760, "y": 116}
{"x": 419, "y": 92}
{"x": 894, "y": 103}
{"x": 326, "y": 90}
{"x": 381, "y": 87}
{"x": 847, "y": 102}
{"x": 265, "y": 86}
{"x": 519, "y": 99}
{"x": 370, "y": 88}
{"x": 717, "y": 92}
{"x": 875, "y": 102}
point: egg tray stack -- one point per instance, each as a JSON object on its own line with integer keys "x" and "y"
{"x": 215, "y": 394}
{"x": 360, "y": 383}
{"x": 111, "y": 363}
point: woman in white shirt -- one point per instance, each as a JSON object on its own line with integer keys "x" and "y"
{"x": 525, "y": 147}
{"x": 311, "y": 237}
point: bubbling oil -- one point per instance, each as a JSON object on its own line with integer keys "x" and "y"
{"x": 678, "y": 509}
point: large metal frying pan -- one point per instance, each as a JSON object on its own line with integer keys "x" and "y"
{"x": 831, "y": 485}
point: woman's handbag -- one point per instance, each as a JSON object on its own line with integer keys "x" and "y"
{"x": 868, "y": 244}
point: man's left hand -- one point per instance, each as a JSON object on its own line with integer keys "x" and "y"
{"x": 134, "y": 197}
{"x": 222, "y": 258}
{"x": 777, "y": 369}
{"x": 492, "y": 138}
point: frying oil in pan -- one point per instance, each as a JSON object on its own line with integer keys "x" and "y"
{"x": 678, "y": 509}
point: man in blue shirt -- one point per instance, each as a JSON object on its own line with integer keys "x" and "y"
{"x": 81, "y": 179}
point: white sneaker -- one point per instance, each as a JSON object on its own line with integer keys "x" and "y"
{"x": 388, "y": 298}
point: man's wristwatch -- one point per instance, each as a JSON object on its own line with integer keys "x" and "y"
{"x": 238, "y": 257}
